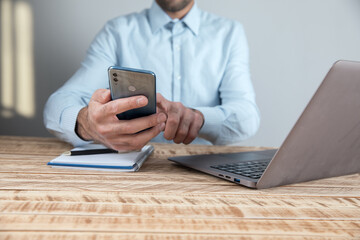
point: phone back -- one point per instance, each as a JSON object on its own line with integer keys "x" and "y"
{"x": 127, "y": 82}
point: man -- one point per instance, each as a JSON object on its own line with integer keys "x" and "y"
{"x": 201, "y": 62}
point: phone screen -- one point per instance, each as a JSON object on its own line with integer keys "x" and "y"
{"x": 127, "y": 82}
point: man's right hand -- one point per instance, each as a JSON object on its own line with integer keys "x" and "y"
{"x": 98, "y": 122}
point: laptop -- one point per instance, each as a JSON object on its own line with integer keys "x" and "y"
{"x": 325, "y": 141}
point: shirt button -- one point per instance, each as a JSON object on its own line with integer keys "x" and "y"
{"x": 177, "y": 47}
{"x": 179, "y": 77}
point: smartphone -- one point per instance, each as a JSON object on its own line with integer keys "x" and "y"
{"x": 128, "y": 82}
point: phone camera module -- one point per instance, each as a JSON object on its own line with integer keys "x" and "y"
{"x": 115, "y": 80}
{"x": 115, "y": 74}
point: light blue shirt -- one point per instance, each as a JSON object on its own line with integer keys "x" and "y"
{"x": 201, "y": 61}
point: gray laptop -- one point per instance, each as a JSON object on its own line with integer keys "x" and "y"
{"x": 325, "y": 141}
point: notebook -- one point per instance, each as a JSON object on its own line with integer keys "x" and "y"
{"x": 123, "y": 162}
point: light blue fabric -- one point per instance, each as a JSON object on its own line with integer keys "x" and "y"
{"x": 201, "y": 60}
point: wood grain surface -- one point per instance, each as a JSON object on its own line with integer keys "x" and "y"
{"x": 162, "y": 201}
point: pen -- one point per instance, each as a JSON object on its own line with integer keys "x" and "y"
{"x": 89, "y": 152}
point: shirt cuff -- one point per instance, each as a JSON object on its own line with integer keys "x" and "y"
{"x": 68, "y": 122}
{"x": 212, "y": 122}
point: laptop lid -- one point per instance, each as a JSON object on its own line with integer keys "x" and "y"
{"x": 325, "y": 141}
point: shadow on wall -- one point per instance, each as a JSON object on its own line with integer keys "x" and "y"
{"x": 17, "y": 84}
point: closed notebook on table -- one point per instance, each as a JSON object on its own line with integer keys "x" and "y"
{"x": 124, "y": 162}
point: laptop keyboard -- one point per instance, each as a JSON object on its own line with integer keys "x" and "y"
{"x": 251, "y": 169}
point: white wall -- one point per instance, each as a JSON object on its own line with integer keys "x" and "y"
{"x": 292, "y": 45}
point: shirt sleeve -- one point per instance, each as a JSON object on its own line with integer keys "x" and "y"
{"x": 63, "y": 106}
{"x": 237, "y": 117}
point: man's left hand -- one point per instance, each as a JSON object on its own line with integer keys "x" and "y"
{"x": 183, "y": 124}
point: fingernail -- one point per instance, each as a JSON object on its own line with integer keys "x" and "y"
{"x": 141, "y": 101}
{"x": 161, "y": 118}
{"x": 162, "y": 127}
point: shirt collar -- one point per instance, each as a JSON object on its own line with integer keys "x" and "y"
{"x": 158, "y": 18}
{"x": 192, "y": 19}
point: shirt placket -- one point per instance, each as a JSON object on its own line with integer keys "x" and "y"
{"x": 176, "y": 51}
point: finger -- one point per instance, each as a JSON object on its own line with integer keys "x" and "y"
{"x": 162, "y": 103}
{"x": 172, "y": 124}
{"x": 192, "y": 134}
{"x": 158, "y": 109}
{"x": 119, "y": 146}
{"x": 124, "y": 104}
{"x": 194, "y": 129}
{"x": 138, "y": 124}
{"x": 159, "y": 97}
{"x": 101, "y": 96}
{"x": 139, "y": 140}
{"x": 146, "y": 136}
{"x": 183, "y": 127}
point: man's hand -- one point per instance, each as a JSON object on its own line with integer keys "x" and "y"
{"x": 183, "y": 124}
{"x": 98, "y": 122}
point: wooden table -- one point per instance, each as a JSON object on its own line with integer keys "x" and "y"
{"x": 162, "y": 201}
